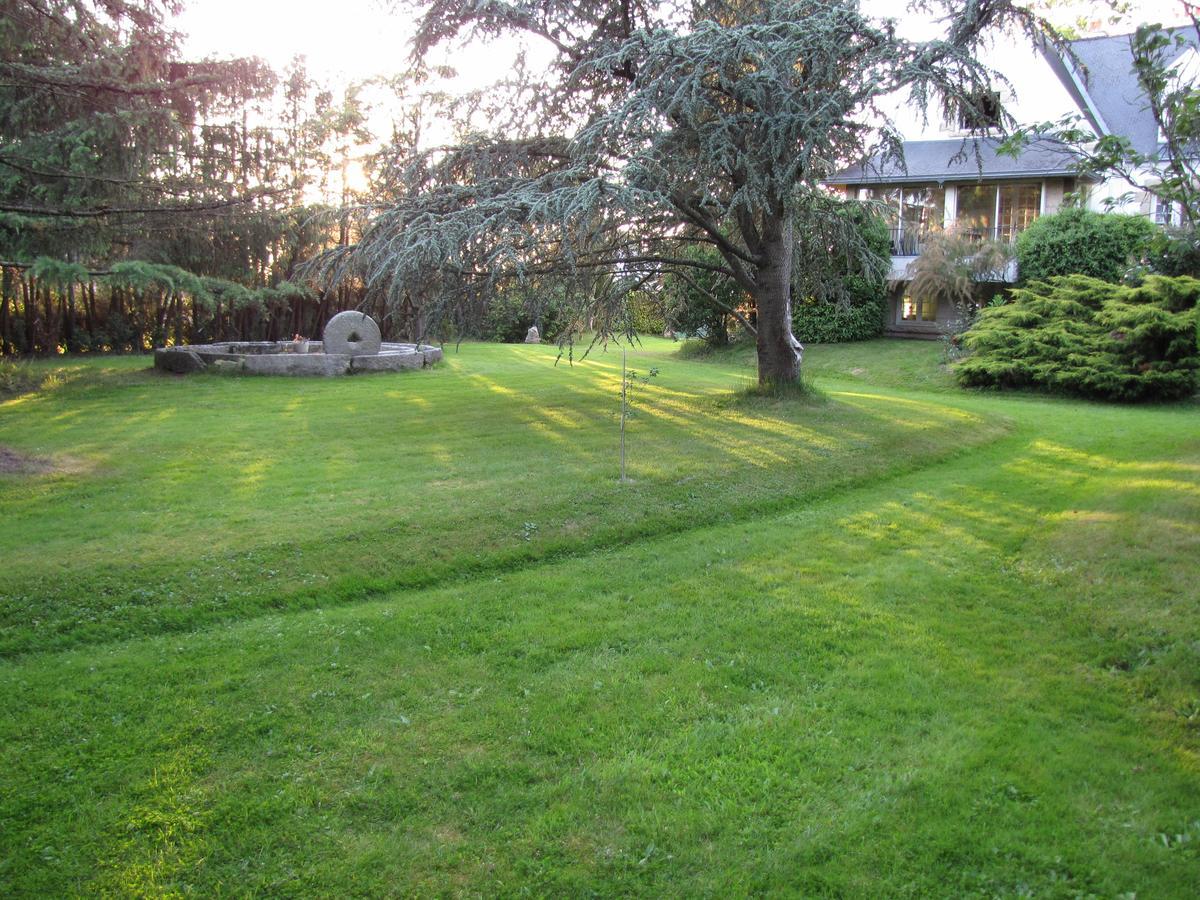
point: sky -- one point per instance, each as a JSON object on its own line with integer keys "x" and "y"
{"x": 355, "y": 39}
{"x": 350, "y": 40}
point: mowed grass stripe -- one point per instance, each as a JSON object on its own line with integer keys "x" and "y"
{"x": 192, "y": 501}
{"x": 971, "y": 680}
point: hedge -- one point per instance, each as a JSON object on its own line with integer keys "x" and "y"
{"x": 1080, "y": 242}
{"x": 1086, "y": 337}
{"x": 827, "y": 323}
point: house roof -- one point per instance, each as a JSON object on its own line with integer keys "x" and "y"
{"x": 960, "y": 160}
{"x": 1100, "y": 80}
{"x": 1105, "y": 67}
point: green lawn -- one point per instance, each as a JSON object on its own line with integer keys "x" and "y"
{"x": 408, "y": 635}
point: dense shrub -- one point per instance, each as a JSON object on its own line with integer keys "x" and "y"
{"x": 1081, "y": 242}
{"x": 511, "y": 313}
{"x": 647, "y": 313}
{"x": 690, "y": 306}
{"x": 827, "y": 323}
{"x": 840, "y": 291}
{"x": 1083, "y": 336}
{"x": 1175, "y": 251}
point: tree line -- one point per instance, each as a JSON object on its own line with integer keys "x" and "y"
{"x": 147, "y": 198}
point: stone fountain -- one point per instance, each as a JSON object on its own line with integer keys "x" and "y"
{"x": 351, "y": 343}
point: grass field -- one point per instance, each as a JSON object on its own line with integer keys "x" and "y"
{"x": 409, "y": 635}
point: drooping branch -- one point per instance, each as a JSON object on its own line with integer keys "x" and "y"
{"x": 715, "y": 301}
{"x": 168, "y": 210}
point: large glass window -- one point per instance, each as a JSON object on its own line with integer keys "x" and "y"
{"x": 911, "y": 213}
{"x": 984, "y": 211}
{"x": 997, "y": 211}
{"x": 889, "y": 200}
{"x": 977, "y": 210}
{"x": 1019, "y": 205}
{"x": 922, "y": 210}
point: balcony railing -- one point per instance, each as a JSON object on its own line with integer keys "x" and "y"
{"x": 911, "y": 242}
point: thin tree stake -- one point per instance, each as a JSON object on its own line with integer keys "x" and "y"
{"x": 624, "y": 389}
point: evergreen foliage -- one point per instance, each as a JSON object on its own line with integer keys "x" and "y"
{"x": 827, "y": 323}
{"x": 1175, "y": 251}
{"x": 1077, "y": 241}
{"x": 1086, "y": 337}
{"x": 701, "y": 303}
{"x": 512, "y": 312}
{"x": 105, "y": 130}
{"x": 647, "y": 312}
{"x": 843, "y": 299}
{"x": 129, "y": 175}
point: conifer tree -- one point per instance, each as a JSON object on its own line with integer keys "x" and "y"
{"x": 659, "y": 127}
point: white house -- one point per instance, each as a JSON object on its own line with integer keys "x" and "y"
{"x": 950, "y": 180}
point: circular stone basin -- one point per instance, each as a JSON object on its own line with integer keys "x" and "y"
{"x": 351, "y": 344}
{"x": 293, "y": 358}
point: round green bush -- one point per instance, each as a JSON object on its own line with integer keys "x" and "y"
{"x": 1081, "y": 242}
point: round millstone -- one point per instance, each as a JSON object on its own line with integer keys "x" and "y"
{"x": 353, "y": 334}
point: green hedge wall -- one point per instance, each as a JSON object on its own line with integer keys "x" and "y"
{"x": 826, "y": 323}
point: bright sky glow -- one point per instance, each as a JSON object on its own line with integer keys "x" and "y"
{"x": 350, "y": 40}
{"x": 355, "y": 39}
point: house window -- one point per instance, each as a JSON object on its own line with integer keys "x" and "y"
{"x": 1164, "y": 211}
{"x": 911, "y": 213}
{"x": 977, "y": 210}
{"x": 914, "y": 310}
{"x": 1019, "y": 204}
{"x": 991, "y": 211}
{"x": 922, "y": 210}
{"x": 980, "y": 111}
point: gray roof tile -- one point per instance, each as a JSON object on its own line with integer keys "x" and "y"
{"x": 1107, "y": 69}
{"x": 959, "y": 160}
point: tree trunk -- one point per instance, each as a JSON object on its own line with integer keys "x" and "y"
{"x": 178, "y": 319}
{"x": 69, "y": 320}
{"x": 53, "y": 322}
{"x": 158, "y": 334}
{"x": 138, "y": 313}
{"x": 779, "y": 352}
{"x": 116, "y": 307}
{"x": 90, "y": 314}
{"x": 29, "y": 306}
{"x": 6, "y": 344}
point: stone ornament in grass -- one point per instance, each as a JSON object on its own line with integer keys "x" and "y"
{"x": 353, "y": 334}
{"x": 179, "y": 360}
{"x": 533, "y": 336}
